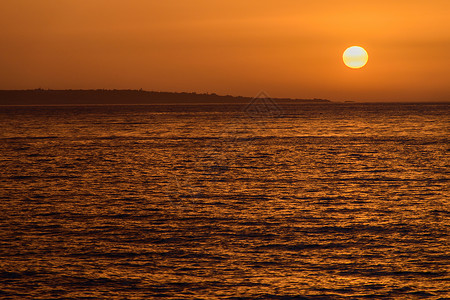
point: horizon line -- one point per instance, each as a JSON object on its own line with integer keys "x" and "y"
{"x": 213, "y": 94}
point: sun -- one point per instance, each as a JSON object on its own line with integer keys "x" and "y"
{"x": 355, "y": 57}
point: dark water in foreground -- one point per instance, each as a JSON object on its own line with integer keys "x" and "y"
{"x": 220, "y": 202}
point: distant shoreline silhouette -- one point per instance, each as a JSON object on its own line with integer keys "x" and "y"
{"x": 100, "y": 96}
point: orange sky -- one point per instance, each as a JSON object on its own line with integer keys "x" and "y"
{"x": 288, "y": 48}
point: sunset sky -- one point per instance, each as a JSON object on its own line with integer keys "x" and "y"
{"x": 288, "y": 48}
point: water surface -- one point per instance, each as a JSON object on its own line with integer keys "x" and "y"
{"x": 324, "y": 201}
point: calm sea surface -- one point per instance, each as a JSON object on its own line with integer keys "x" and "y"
{"x": 322, "y": 201}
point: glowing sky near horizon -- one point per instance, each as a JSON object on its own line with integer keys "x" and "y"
{"x": 286, "y": 48}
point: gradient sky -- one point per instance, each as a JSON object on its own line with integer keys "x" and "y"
{"x": 288, "y": 48}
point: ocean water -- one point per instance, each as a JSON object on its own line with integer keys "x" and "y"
{"x": 245, "y": 201}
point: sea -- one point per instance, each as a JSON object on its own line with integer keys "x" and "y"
{"x": 258, "y": 200}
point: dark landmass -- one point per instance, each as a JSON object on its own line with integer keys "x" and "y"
{"x": 86, "y": 97}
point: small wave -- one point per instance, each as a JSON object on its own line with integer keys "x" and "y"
{"x": 29, "y": 138}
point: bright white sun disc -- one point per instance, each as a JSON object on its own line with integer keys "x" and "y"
{"x": 355, "y": 57}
